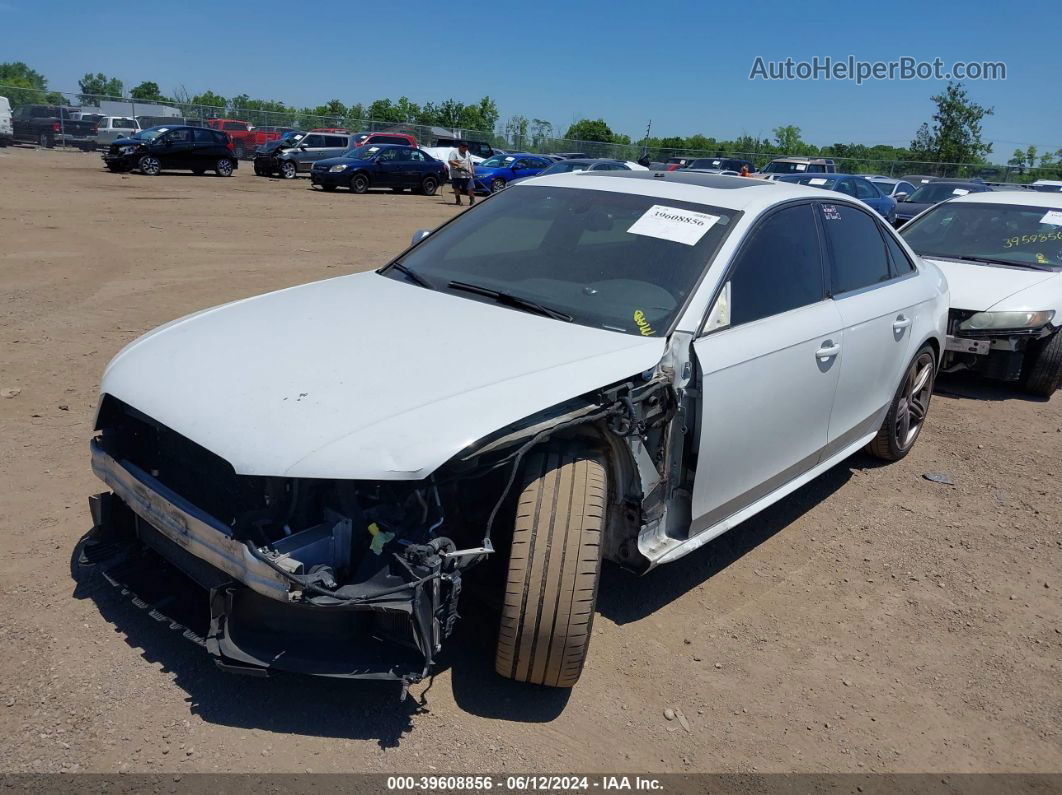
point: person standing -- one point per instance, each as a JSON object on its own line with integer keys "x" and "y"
{"x": 462, "y": 173}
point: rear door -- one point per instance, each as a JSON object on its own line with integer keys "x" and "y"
{"x": 419, "y": 166}
{"x": 769, "y": 362}
{"x": 877, "y": 301}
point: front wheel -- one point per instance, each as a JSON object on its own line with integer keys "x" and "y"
{"x": 429, "y": 185}
{"x": 1042, "y": 371}
{"x": 359, "y": 183}
{"x": 224, "y": 167}
{"x": 288, "y": 169}
{"x": 909, "y": 407}
{"x": 497, "y": 184}
{"x": 554, "y": 564}
{"x": 149, "y": 166}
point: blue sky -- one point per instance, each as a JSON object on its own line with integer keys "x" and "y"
{"x": 683, "y": 64}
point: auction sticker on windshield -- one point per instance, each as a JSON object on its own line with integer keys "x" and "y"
{"x": 671, "y": 223}
{"x": 1053, "y": 217}
{"x": 818, "y": 181}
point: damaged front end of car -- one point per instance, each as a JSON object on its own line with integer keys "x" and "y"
{"x": 328, "y": 577}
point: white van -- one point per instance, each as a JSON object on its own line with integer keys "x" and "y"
{"x": 7, "y": 135}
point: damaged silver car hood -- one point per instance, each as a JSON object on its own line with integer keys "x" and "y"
{"x": 362, "y": 376}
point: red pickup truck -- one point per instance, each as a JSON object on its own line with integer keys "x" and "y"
{"x": 245, "y": 139}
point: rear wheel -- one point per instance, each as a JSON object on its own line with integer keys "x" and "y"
{"x": 903, "y": 423}
{"x": 359, "y": 183}
{"x": 45, "y": 141}
{"x": 224, "y": 167}
{"x": 429, "y": 185}
{"x": 1042, "y": 370}
{"x": 288, "y": 169}
{"x": 149, "y": 166}
{"x": 554, "y": 563}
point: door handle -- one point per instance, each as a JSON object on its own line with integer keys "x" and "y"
{"x": 828, "y": 350}
{"x": 900, "y": 323}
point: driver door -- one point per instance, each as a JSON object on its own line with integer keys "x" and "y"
{"x": 174, "y": 148}
{"x": 769, "y": 360}
{"x": 388, "y": 170}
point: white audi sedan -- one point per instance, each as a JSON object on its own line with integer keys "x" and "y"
{"x": 1002, "y": 254}
{"x": 600, "y": 365}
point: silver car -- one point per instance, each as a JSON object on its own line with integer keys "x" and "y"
{"x": 110, "y": 128}
{"x": 315, "y": 146}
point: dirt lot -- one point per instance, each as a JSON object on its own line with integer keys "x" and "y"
{"x": 873, "y": 621}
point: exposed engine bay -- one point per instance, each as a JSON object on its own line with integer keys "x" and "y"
{"x": 348, "y": 578}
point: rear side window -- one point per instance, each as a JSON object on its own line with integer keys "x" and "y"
{"x": 203, "y": 136}
{"x": 865, "y": 190}
{"x": 335, "y": 140}
{"x": 780, "y": 267}
{"x": 123, "y": 123}
{"x": 858, "y": 254}
{"x": 900, "y": 262}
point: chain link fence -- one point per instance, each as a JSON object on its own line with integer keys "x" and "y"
{"x": 70, "y": 107}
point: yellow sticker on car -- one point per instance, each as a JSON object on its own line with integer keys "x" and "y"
{"x": 643, "y": 324}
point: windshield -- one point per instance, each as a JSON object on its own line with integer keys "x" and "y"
{"x": 780, "y": 167}
{"x": 361, "y": 152}
{"x": 935, "y": 192}
{"x": 610, "y": 260}
{"x": 564, "y": 167}
{"x": 150, "y": 134}
{"x": 1007, "y": 233}
{"x": 497, "y": 161}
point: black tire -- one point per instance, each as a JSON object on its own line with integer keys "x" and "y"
{"x": 260, "y": 172}
{"x": 224, "y": 167}
{"x": 289, "y": 169}
{"x": 149, "y": 166}
{"x": 359, "y": 183}
{"x": 497, "y": 184}
{"x": 1041, "y": 373}
{"x": 429, "y": 185}
{"x": 45, "y": 141}
{"x": 910, "y": 405}
{"x": 554, "y": 565}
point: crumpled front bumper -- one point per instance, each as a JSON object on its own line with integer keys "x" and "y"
{"x": 187, "y": 570}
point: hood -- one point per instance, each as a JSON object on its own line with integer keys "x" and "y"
{"x": 127, "y": 141}
{"x": 361, "y": 377}
{"x": 336, "y": 161}
{"x": 978, "y": 288}
{"x": 272, "y": 146}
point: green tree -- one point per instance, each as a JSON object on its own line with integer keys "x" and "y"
{"x": 25, "y": 86}
{"x": 590, "y": 130}
{"x": 516, "y": 131}
{"x": 95, "y": 87}
{"x": 541, "y": 133}
{"x": 789, "y": 140}
{"x": 208, "y": 99}
{"x": 955, "y": 135}
{"x": 148, "y": 91}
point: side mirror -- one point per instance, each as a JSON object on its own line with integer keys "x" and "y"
{"x": 900, "y": 197}
{"x": 419, "y": 235}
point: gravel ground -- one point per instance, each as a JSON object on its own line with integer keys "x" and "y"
{"x": 872, "y": 621}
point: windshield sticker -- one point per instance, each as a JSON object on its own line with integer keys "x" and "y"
{"x": 1053, "y": 217}
{"x": 801, "y": 166}
{"x": 509, "y": 159}
{"x": 817, "y": 181}
{"x": 831, "y": 213}
{"x": 373, "y": 149}
{"x": 1041, "y": 259}
{"x": 671, "y": 223}
{"x": 643, "y": 324}
{"x": 959, "y": 192}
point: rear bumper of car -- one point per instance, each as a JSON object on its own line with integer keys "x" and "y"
{"x": 187, "y": 569}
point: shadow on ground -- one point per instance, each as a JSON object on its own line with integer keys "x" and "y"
{"x": 372, "y": 710}
{"x": 967, "y": 386}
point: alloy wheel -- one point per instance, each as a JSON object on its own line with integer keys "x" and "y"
{"x": 913, "y": 401}
{"x": 150, "y": 166}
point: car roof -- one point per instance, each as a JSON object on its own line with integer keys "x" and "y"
{"x": 717, "y": 190}
{"x": 1028, "y": 198}
{"x": 591, "y": 160}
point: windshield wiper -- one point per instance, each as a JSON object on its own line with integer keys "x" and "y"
{"x": 512, "y": 300}
{"x": 990, "y": 261}
{"x": 412, "y": 274}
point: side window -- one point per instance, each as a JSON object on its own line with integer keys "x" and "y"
{"x": 313, "y": 140}
{"x": 220, "y": 138}
{"x": 388, "y": 156}
{"x": 417, "y": 156}
{"x": 900, "y": 262}
{"x": 778, "y": 269}
{"x": 336, "y": 141}
{"x": 845, "y": 186}
{"x": 865, "y": 190}
{"x": 523, "y": 162}
{"x": 816, "y": 169}
{"x": 177, "y": 136}
{"x": 202, "y": 136}
{"x": 858, "y": 254}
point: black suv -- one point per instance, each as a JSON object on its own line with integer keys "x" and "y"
{"x": 173, "y": 148}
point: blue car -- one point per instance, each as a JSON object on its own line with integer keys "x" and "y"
{"x": 496, "y": 172}
{"x": 859, "y": 187}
